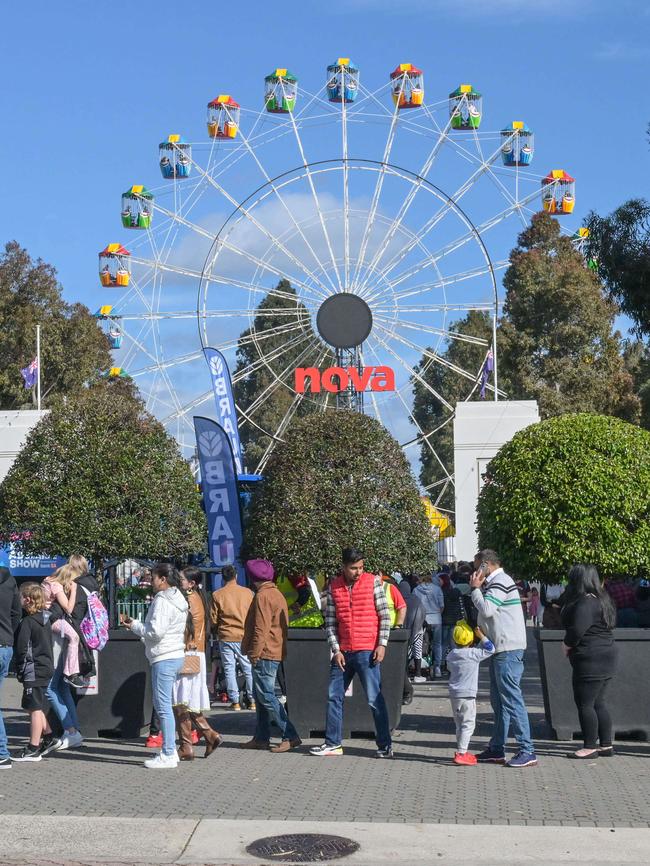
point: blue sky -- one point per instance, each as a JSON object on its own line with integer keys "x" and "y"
{"x": 91, "y": 87}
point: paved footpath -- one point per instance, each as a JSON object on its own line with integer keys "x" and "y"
{"x": 602, "y": 806}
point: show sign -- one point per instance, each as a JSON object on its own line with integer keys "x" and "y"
{"x": 220, "y": 496}
{"x": 28, "y": 565}
{"x": 336, "y": 379}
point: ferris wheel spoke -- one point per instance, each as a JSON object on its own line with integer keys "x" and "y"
{"x": 412, "y": 372}
{"x": 283, "y": 203}
{"x": 429, "y": 329}
{"x": 163, "y": 364}
{"x": 269, "y": 235}
{"x": 435, "y": 219}
{"x": 460, "y": 277}
{"x": 408, "y": 201}
{"x": 440, "y": 308}
{"x": 378, "y": 188}
{"x": 312, "y": 188}
{"x": 282, "y": 427}
{"x": 264, "y": 395}
{"x": 346, "y": 188}
{"x": 451, "y": 247}
{"x": 265, "y": 360}
{"x": 438, "y": 359}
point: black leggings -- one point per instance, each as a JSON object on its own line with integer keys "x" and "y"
{"x": 595, "y": 721}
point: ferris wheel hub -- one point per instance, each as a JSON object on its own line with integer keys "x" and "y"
{"x": 344, "y": 320}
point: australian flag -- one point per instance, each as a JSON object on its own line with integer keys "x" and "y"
{"x": 30, "y": 373}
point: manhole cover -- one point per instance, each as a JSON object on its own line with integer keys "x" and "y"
{"x": 302, "y": 848}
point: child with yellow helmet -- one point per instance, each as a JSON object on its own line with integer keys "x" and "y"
{"x": 462, "y": 664}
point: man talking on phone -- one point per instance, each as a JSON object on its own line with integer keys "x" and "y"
{"x": 501, "y": 618}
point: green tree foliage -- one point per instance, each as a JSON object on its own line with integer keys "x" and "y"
{"x": 100, "y": 476}
{"x": 620, "y": 243}
{"x": 429, "y": 413}
{"x": 559, "y": 344}
{"x": 637, "y": 362}
{"x": 73, "y": 347}
{"x": 282, "y": 332}
{"x": 566, "y": 490}
{"x": 339, "y": 479}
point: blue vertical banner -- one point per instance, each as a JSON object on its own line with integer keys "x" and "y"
{"x": 220, "y": 496}
{"x": 225, "y": 402}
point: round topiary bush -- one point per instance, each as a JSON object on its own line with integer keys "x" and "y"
{"x": 338, "y": 479}
{"x": 571, "y": 489}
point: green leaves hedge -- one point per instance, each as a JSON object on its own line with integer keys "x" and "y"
{"x": 339, "y": 479}
{"x": 570, "y": 489}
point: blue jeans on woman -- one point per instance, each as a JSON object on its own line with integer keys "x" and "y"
{"x": 61, "y": 700}
{"x": 369, "y": 672}
{"x": 6, "y": 652}
{"x": 163, "y": 677}
{"x": 506, "y": 671}
{"x": 268, "y": 707}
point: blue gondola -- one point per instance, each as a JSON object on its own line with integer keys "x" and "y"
{"x": 342, "y": 81}
{"x": 518, "y": 144}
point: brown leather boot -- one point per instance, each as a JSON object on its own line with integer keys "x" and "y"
{"x": 212, "y": 739}
{"x": 184, "y": 728}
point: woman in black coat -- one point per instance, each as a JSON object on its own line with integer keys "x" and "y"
{"x": 589, "y": 616}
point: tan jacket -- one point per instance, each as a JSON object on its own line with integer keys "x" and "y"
{"x": 198, "y": 619}
{"x": 230, "y": 605}
{"x": 265, "y": 631}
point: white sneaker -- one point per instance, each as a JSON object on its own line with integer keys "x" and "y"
{"x": 162, "y": 762}
{"x": 419, "y": 679}
{"x": 70, "y": 741}
{"x": 437, "y": 673}
{"x": 326, "y": 750}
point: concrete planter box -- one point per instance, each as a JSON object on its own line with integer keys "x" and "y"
{"x": 122, "y": 707}
{"x": 307, "y": 679}
{"x": 629, "y": 691}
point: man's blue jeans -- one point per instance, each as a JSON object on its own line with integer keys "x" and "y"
{"x": 6, "y": 652}
{"x": 269, "y": 709}
{"x": 61, "y": 700}
{"x": 435, "y": 634}
{"x": 506, "y": 671}
{"x": 231, "y": 654}
{"x": 163, "y": 677}
{"x": 370, "y": 676}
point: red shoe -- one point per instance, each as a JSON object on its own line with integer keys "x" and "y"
{"x": 154, "y": 741}
{"x": 223, "y": 697}
{"x": 465, "y": 759}
{"x": 195, "y": 737}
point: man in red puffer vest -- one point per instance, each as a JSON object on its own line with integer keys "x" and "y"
{"x": 357, "y": 621}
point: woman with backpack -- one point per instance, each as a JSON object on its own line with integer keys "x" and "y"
{"x": 73, "y": 606}
{"x": 163, "y": 635}
{"x": 191, "y": 698}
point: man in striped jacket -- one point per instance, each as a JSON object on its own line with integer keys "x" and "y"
{"x": 501, "y": 618}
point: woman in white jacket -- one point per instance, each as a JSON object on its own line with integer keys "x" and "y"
{"x": 163, "y": 635}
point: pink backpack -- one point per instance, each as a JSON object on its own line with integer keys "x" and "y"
{"x": 94, "y": 626}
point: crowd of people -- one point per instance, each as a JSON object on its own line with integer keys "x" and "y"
{"x": 455, "y": 620}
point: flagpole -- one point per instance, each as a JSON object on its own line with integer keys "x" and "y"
{"x": 38, "y": 367}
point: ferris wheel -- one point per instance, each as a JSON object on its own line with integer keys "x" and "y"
{"x": 373, "y": 220}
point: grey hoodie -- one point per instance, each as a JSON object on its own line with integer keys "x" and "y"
{"x": 163, "y": 631}
{"x": 432, "y": 598}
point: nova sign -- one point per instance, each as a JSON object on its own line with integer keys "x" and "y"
{"x": 336, "y": 379}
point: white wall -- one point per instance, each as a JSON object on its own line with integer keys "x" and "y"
{"x": 14, "y": 427}
{"x": 480, "y": 430}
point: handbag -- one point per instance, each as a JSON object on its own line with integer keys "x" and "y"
{"x": 191, "y": 664}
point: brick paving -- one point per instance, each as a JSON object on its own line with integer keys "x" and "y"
{"x": 106, "y": 777}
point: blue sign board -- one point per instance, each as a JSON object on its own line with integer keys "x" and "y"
{"x": 220, "y": 496}
{"x": 28, "y": 565}
{"x": 225, "y": 402}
